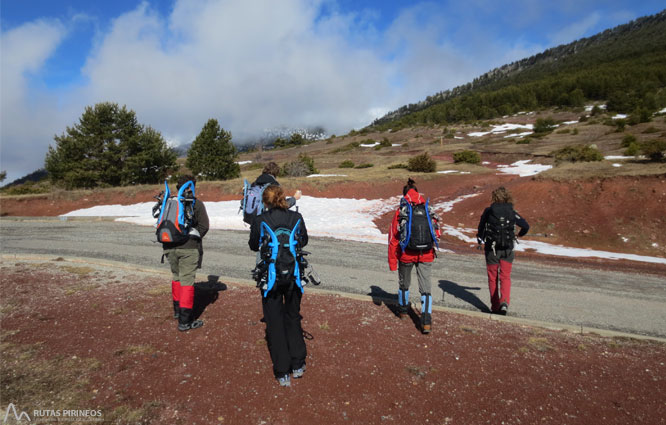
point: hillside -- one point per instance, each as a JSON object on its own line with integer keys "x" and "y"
{"x": 624, "y": 64}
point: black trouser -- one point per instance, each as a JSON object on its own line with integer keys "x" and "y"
{"x": 282, "y": 312}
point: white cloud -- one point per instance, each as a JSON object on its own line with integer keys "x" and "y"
{"x": 28, "y": 113}
{"x": 575, "y": 30}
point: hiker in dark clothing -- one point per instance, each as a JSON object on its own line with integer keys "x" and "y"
{"x": 281, "y": 298}
{"x": 184, "y": 259}
{"x": 496, "y": 232}
{"x": 268, "y": 176}
{"x": 404, "y": 259}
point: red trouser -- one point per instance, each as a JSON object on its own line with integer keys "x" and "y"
{"x": 498, "y": 265}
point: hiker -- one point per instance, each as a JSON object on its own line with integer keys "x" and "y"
{"x": 497, "y": 233}
{"x": 268, "y": 176}
{"x": 412, "y": 240}
{"x": 279, "y": 234}
{"x": 185, "y": 255}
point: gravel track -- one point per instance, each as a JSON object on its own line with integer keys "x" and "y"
{"x": 625, "y": 302}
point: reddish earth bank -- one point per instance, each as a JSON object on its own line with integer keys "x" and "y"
{"x": 364, "y": 364}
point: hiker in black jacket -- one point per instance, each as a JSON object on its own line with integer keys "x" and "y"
{"x": 184, "y": 259}
{"x": 268, "y": 176}
{"x": 496, "y": 232}
{"x": 281, "y": 296}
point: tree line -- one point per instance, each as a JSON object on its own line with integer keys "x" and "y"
{"x": 109, "y": 147}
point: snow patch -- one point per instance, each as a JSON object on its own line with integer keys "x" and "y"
{"x": 523, "y": 168}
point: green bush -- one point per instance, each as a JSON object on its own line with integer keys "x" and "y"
{"x": 628, "y": 140}
{"x": 564, "y": 131}
{"x": 577, "y": 153}
{"x": 366, "y": 165}
{"x": 470, "y": 157}
{"x": 525, "y": 141}
{"x": 303, "y": 166}
{"x": 422, "y": 163}
{"x": 654, "y": 149}
{"x": 620, "y": 124}
{"x": 346, "y": 164}
{"x": 346, "y": 148}
{"x": 632, "y": 149}
{"x": 399, "y": 165}
{"x": 544, "y": 125}
{"x": 574, "y": 131}
{"x": 28, "y": 188}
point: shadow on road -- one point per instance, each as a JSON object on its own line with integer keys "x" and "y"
{"x": 462, "y": 293}
{"x": 206, "y": 293}
{"x": 380, "y": 296}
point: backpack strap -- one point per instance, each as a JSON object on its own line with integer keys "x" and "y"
{"x": 167, "y": 193}
{"x": 432, "y": 231}
{"x": 408, "y": 227}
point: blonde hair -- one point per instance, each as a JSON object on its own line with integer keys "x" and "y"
{"x": 501, "y": 196}
{"x": 273, "y": 197}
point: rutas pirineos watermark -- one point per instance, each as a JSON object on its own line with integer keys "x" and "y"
{"x": 51, "y": 415}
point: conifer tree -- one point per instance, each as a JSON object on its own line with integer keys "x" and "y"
{"x": 212, "y": 156}
{"x": 108, "y": 147}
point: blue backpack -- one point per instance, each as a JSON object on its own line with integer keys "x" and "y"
{"x": 176, "y": 214}
{"x": 280, "y": 253}
{"x": 252, "y": 204}
{"x": 416, "y": 232}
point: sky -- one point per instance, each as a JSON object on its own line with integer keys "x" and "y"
{"x": 257, "y": 65}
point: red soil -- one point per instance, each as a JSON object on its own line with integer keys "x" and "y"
{"x": 364, "y": 364}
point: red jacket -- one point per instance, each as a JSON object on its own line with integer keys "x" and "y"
{"x": 395, "y": 253}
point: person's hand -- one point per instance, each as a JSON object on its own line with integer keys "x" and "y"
{"x": 297, "y": 195}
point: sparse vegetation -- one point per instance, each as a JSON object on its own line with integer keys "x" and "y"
{"x": 422, "y": 163}
{"x": 627, "y": 140}
{"x": 396, "y": 166}
{"x": 544, "y": 125}
{"x": 346, "y": 164}
{"x": 303, "y": 166}
{"x": 577, "y": 153}
{"x": 467, "y": 156}
{"x": 365, "y": 165}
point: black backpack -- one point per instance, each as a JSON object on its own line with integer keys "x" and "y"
{"x": 279, "y": 251}
{"x": 500, "y": 226}
{"x": 417, "y": 233}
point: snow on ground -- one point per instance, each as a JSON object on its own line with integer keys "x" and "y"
{"x": 369, "y": 145}
{"x": 519, "y": 135}
{"x": 622, "y": 157}
{"x": 503, "y": 128}
{"x": 243, "y": 162}
{"x": 453, "y": 171}
{"x": 523, "y": 168}
{"x": 326, "y": 175}
{"x": 447, "y": 206}
{"x": 617, "y": 165}
{"x": 570, "y": 122}
{"x": 619, "y": 116}
{"x": 346, "y": 219}
{"x": 663, "y": 111}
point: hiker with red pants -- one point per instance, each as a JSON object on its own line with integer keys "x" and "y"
{"x": 279, "y": 234}
{"x": 185, "y": 258}
{"x": 412, "y": 240}
{"x": 497, "y": 233}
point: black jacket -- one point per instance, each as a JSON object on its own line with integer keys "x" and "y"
{"x": 269, "y": 179}
{"x": 276, "y": 218}
{"x": 520, "y": 222}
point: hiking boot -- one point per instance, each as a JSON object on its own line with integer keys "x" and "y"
{"x": 426, "y": 323}
{"x": 504, "y": 308}
{"x": 176, "y": 310}
{"x": 192, "y": 325}
{"x": 403, "y": 312}
{"x": 298, "y": 373}
{"x": 284, "y": 381}
{"x": 186, "y": 322}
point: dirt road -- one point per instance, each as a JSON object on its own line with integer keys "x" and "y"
{"x": 574, "y": 297}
